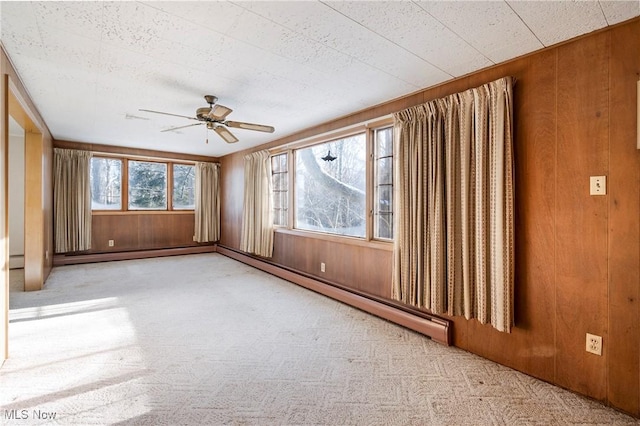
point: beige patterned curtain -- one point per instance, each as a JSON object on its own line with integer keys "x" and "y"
{"x": 453, "y": 251}
{"x": 72, "y": 200}
{"x": 257, "y": 220}
{"x": 207, "y": 209}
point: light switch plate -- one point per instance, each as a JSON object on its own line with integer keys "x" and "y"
{"x": 598, "y": 185}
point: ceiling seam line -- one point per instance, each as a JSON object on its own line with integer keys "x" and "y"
{"x": 334, "y": 49}
{"x": 455, "y": 33}
{"x": 604, "y": 15}
{"x": 525, "y": 24}
{"x": 385, "y": 38}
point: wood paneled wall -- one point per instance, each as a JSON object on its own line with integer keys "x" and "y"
{"x": 141, "y": 231}
{"x": 577, "y": 256}
{"x": 345, "y": 262}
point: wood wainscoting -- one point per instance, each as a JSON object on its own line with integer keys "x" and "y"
{"x": 142, "y": 230}
{"x": 438, "y": 329}
{"x": 138, "y": 235}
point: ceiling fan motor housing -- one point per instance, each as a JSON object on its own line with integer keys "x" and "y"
{"x": 203, "y": 113}
{"x": 210, "y": 99}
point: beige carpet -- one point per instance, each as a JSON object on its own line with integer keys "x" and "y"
{"x": 202, "y": 339}
{"x": 16, "y": 280}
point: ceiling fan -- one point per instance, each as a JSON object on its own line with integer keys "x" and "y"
{"x": 213, "y": 117}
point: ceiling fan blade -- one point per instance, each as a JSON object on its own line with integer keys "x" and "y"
{"x": 250, "y": 126}
{"x": 168, "y": 113}
{"x": 180, "y": 127}
{"x": 225, "y": 134}
{"x": 219, "y": 112}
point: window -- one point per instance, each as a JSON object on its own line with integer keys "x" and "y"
{"x": 147, "y": 185}
{"x": 383, "y": 183}
{"x": 341, "y": 186}
{"x": 280, "y": 188}
{"x": 184, "y": 181}
{"x": 106, "y": 183}
{"x": 330, "y": 187}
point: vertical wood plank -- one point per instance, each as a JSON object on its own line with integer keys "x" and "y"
{"x": 581, "y": 219}
{"x": 231, "y": 199}
{"x": 47, "y": 205}
{"x": 4, "y": 220}
{"x": 33, "y": 213}
{"x": 624, "y": 230}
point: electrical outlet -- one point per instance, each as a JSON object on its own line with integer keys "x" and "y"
{"x": 594, "y": 344}
{"x": 598, "y": 185}
{"x": 322, "y": 268}
{"x": 110, "y": 243}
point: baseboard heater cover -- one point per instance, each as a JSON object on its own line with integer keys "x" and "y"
{"x": 74, "y": 259}
{"x": 436, "y": 328}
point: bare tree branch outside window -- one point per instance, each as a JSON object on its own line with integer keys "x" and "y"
{"x": 330, "y": 195}
{"x": 106, "y": 176}
{"x": 184, "y": 182}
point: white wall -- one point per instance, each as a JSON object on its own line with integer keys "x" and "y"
{"x": 16, "y": 194}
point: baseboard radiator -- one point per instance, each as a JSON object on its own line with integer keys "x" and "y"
{"x": 438, "y": 329}
{"x": 78, "y": 258}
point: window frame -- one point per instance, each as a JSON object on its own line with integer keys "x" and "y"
{"x": 168, "y": 177}
{"x": 356, "y": 132}
{"x": 124, "y": 185}
{"x": 369, "y": 129}
{"x": 287, "y": 155}
{"x": 374, "y": 182}
{"x": 172, "y": 168}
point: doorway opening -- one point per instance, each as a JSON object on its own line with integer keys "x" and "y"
{"x": 16, "y": 194}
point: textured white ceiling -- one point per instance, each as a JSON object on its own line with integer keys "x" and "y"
{"x": 89, "y": 66}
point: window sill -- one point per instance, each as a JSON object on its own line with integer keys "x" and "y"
{"x": 342, "y": 239}
{"x": 137, "y": 212}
